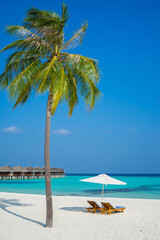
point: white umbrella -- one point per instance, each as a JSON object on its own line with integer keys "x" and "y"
{"x": 104, "y": 180}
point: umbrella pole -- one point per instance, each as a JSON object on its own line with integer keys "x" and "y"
{"x": 102, "y": 191}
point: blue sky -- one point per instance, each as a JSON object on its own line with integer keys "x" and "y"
{"x": 122, "y": 134}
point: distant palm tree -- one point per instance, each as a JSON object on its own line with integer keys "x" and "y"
{"x": 41, "y": 64}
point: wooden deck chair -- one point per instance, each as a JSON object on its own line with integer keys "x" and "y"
{"x": 108, "y": 208}
{"x": 93, "y": 207}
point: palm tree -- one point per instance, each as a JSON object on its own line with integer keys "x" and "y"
{"x": 40, "y": 64}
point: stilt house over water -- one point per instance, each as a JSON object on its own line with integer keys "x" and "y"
{"x": 29, "y": 172}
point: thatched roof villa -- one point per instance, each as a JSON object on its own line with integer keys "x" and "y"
{"x": 29, "y": 172}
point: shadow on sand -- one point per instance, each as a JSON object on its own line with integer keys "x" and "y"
{"x": 6, "y": 203}
{"x": 74, "y": 209}
{"x": 82, "y": 209}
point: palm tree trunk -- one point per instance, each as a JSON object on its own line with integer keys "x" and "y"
{"x": 49, "y": 208}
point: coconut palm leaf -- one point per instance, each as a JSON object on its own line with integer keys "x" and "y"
{"x": 33, "y": 39}
{"x": 19, "y": 82}
{"x": 90, "y": 66}
{"x": 44, "y": 76}
{"x": 12, "y": 45}
{"x": 58, "y": 92}
{"x": 93, "y": 94}
{"x": 52, "y": 33}
{"x": 65, "y": 14}
{"x": 71, "y": 92}
{"x": 76, "y": 39}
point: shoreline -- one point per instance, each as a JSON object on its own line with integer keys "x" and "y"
{"x": 24, "y": 216}
{"x": 97, "y": 197}
{"x": 79, "y": 196}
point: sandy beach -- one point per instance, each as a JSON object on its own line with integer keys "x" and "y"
{"x": 22, "y": 216}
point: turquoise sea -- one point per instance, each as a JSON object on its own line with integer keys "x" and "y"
{"x": 138, "y": 186}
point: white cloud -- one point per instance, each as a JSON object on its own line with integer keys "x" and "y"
{"x": 12, "y": 129}
{"x": 61, "y": 132}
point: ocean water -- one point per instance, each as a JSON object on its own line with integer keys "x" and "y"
{"x": 138, "y": 186}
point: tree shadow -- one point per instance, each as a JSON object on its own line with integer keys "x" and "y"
{"x": 6, "y": 203}
{"x": 74, "y": 209}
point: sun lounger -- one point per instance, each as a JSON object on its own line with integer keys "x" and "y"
{"x": 108, "y": 208}
{"x": 93, "y": 207}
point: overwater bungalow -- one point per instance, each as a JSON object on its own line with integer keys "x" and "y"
{"x": 29, "y": 172}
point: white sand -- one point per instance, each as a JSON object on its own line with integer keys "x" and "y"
{"x": 23, "y": 217}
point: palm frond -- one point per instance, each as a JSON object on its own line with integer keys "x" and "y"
{"x": 76, "y": 39}
{"x": 58, "y": 90}
{"x": 88, "y": 65}
{"x": 20, "y": 55}
{"x": 12, "y": 45}
{"x": 48, "y": 25}
{"x": 39, "y": 64}
{"x": 71, "y": 92}
{"x": 24, "y": 94}
{"x": 23, "y": 32}
{"x": 65, "y": 14}
{"x": 15, "y": 67}
{"x": 44, "y": 76}
{"x": 93, "y": 94}
{"x": 16, "y": 86}
{"x": 28, "y": 45}
{"x": 38, "y": 18}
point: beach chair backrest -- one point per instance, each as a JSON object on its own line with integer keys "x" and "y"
{"x": 107, "y": 205}
{"x": 93, "y": 204}
{"x": 110, "y": 206}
